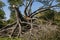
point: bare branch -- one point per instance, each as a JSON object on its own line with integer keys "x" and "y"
{"x": 51, "y": 3}
{"x": 8, "y": 26}
{"x": 29, "y": 12}
{"x": 25, "y": 11}
{"x": 36, "y": 10}
{"x": 13, "y": 30}
{"x": 41, "y": 10}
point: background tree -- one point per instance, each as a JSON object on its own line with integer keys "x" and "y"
{"x": 2, "y": 14}
{"x": 12, "y": 17}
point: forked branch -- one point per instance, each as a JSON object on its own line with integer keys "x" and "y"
{"x": 41, "y": 10}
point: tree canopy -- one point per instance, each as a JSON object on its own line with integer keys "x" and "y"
{"x": 2, "y": 14}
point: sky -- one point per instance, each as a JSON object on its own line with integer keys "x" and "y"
{"x": 7, "y": 11}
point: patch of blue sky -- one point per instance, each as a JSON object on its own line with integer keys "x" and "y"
{"x": 5, "y": 8}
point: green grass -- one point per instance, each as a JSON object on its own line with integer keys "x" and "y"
{"x": 7, "y": 38}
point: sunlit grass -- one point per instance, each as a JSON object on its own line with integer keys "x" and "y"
{"x": 7, "y": 38}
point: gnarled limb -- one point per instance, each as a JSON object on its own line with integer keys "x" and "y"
{"x": 41, "y": 10}
{"x": 14, "y": 30}
{"x": 19, "y": 14}
{"x": 25, "y": 11}
{"x": 29, "y": 10}
{"x": 8, "y": 26}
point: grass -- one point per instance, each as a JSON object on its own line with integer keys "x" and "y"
{"x": 7, "y": 38}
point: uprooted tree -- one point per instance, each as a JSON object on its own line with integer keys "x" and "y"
{"x": 27, "y": 19}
